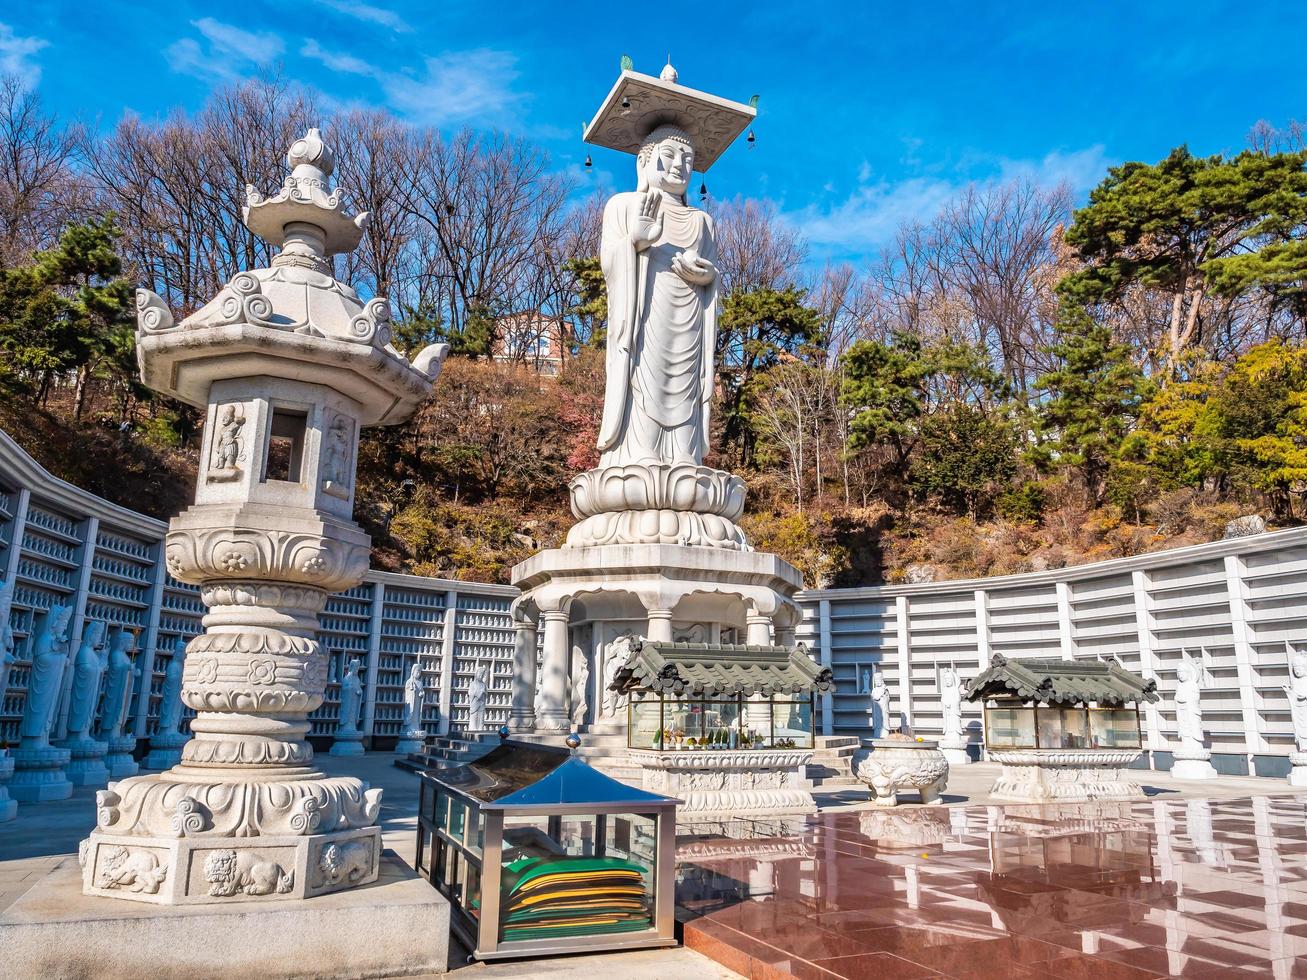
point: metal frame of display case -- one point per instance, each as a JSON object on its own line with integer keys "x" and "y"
{"x": 482, "y": 935}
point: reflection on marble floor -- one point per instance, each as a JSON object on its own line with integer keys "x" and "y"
{"x": 1192, "y": 888}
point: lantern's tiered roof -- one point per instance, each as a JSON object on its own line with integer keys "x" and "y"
{"x": 294, "y": 311}
{"x": 710, "y": 669}
{"x": 1056, "y": 681}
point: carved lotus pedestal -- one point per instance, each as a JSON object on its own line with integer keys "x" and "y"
{"x": 411, "y": 742}
{"x": 39, "y": 773}
{"x": 348, "y": 741}
{"x": 1297, "y": 775}
{"x": 1193, "y": 764}
{"x": 119, "y": 760}
{"x": 742, "y": 782}
{"x": 955, "y": 751}
{"x": 166, "y": 750}
{"x": 891, "y": 766}
{"x": 1064, "y": 775}
{"x": 87, "y": 766}
{"x": 658, "y": 503}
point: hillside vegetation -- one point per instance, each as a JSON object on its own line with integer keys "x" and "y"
{"x": 1014, "y": 385}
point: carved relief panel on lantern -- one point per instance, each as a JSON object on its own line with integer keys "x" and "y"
{"x": 295, "y": 449}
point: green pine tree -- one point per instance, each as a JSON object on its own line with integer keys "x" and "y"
{"x": 1091, "y": 398}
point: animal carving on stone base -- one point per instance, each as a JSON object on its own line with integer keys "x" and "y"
{"x": 229, "y": 872}
{"x": 138, "y": 871}
{"x": 350, "y": 862}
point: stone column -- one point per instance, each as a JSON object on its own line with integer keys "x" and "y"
{"x": 757, "y": 630}
{"x": 557, "y": 651}
{"x": 522, "y": 714}
{"x": 658, "y": 625}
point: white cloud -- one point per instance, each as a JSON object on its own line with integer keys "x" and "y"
{"x": 229, "y": 53}
{"x": 1081, "y": 170}
{"x": 335, "y": 60}
{"x": 455, "y": 87}
{"x": 868, "y": 218}
{"x": 368, "y": 13}
{"x": 16, "y": 55}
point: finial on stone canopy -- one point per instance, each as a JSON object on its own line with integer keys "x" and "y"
{"x": 304, "y": 218}
{"x": 669, "y": 74}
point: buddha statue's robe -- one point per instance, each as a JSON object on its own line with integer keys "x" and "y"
{"x": 661, "y": 333}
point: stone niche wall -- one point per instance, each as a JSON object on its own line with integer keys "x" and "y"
{"x": 1240, "y": 600}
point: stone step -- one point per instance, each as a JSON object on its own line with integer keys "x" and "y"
{"x": 836, "y": 741}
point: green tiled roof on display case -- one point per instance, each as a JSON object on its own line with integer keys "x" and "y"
{"x": 1057, "y": 681}
{"x": 705, "y": 669}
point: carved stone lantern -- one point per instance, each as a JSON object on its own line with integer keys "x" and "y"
{"x": 288, "y": 363}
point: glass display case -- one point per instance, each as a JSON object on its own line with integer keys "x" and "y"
{"x": 538, "y": 853}
{"x": 1028, "y": 726}
{"x": 665, "y": 722}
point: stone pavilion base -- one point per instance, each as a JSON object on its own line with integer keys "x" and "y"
{"x": 1065, "y": 775}
{"x": 740, "y": 782}
{"x": 397, "y": 926}
{"x": 228, "y": 870}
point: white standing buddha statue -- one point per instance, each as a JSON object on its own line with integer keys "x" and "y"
{"x": 1192, "y": 757}
{"x": 39, "y": 766}
{"x": 414, "y": 734}
{"x": 349, "y": 737}
{"x": 1296, "y": 690}
{"x": 168, "y": 739}
{"x": 87, "y": 767}
{"x": 114, "y": 708}
{"x": 658, "y": 255}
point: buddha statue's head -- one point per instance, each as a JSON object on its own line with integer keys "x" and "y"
{"x": 1185, "y": 672}
{"x": 1298, "y": 666}
{"x": 666, "y": 161}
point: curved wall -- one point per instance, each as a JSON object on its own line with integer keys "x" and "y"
{"x": 1242, "y": 602}
{"x": 1238, "y": 603}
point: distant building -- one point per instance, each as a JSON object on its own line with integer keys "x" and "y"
{"x": 534, "y": 340}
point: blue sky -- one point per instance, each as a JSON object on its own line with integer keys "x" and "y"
{"x": 870, "y": 113}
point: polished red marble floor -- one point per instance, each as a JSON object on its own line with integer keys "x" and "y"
{"x": 1192, "y": 888}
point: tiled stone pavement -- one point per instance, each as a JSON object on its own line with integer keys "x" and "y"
{"x": 1175, "y": 887}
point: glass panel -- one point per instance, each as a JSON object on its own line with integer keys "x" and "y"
{"x": 457, "y": 819}
{"x": 1115, "y": 728}
{"x": 472, "y": 891}
{"x": 475, "y": 832}
{"x": 1075, "y": 728}
{"x": 792, "y": 723}
{"x": 1010, "y": 727}
{"x": 442, "y": 810}
{"x": 1049, "y": 723}
{"x": 644, "y": 725}
{"x": 556, "y": 883}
